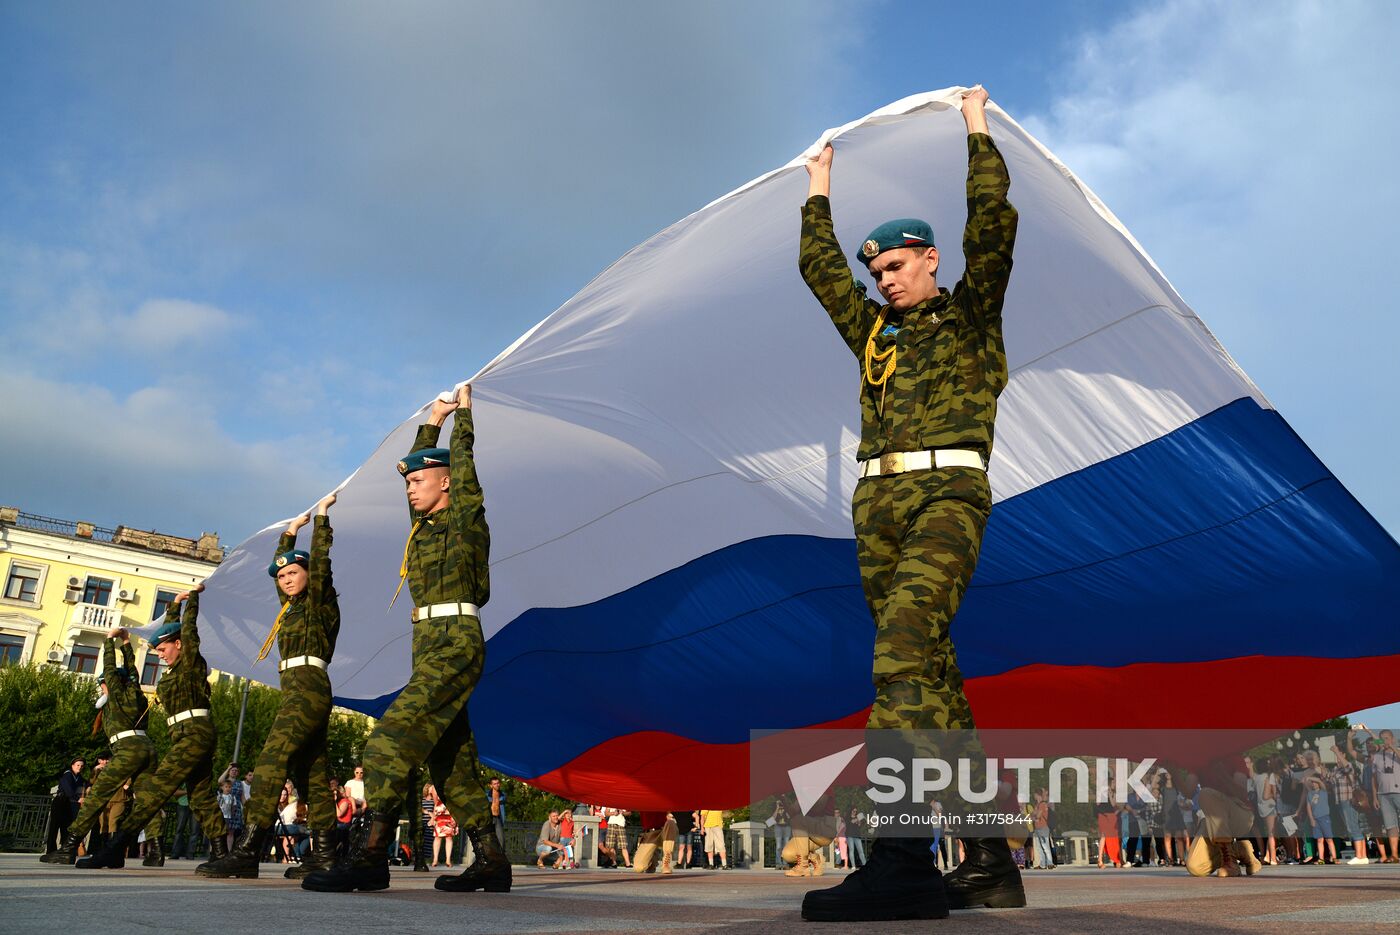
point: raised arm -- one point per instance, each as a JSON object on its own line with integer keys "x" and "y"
{"x": 109, "y": 654}
{"x": 128, "y": 654}
{"x": 319, "y": 584}
{"x": 189, "y": 623}
{"x": 467, "y": 511}
{"x": 823, "y": 265}
{"x": 990, "y": 234}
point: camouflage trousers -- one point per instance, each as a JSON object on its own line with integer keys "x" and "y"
{"x": 295, "y": 749}
{"x": 189, "y": 761}
{"x": 427, "y": 724}
{"x": 917, "y": 539}
{"x": 132, "y": 758}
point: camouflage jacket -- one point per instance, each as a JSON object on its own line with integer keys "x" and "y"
{"x": 447, "y": 554}
{"x": 312, "y": 622}
{"x": 951, "y": 358}
{"x": 126, "y": 703}
{"x": 185, "y": 684}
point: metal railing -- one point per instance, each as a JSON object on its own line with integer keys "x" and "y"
{"x": 65, "y": 527}
{"x": 23, "y": 819}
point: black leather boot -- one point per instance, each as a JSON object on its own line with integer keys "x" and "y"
{"x": 242, "y": 862}
{"x": 155, "y": 854}
{"x": 111, "y": 857}
{"x": 988, "y": 877}
{"x": 900, "y": 881}
{"x": 218, "y": 848}
{"x": 320, "y": 857}
{"x": 67, "y": 851}
{"x": 489, "y": 871}
{"x": 367, "y": 865}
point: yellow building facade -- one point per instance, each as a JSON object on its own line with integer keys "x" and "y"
{"x": 66, "y": 583}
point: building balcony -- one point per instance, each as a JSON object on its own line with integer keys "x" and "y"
{"x": 95, "y": 618}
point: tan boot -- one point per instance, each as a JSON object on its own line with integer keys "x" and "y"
{"x": 814, "y": 860}
{"x": 1228, "y": 866}
{"x": 668, "y": 850}
{"x": 1244, "y": 853}
{"x": 795, "y": 853}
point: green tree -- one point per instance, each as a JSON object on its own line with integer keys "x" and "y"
{"x": 46, "y": 716}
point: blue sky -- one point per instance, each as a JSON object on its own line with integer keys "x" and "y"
{"x": 240, "y": 242}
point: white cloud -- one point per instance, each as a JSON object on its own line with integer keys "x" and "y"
{"x": 1251, "y": 149}
{"x": 164, "y": 324}
{"x": 154, "y": 458}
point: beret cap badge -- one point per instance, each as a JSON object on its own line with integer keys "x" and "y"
{"x": 869, "y": 249}
{"x": 403, "y": 467}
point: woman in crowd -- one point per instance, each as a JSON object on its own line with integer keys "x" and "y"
{"x": 344, "y": 818}
{"x": 1266, "y": 805}
{"x": 1108, "y": 834}
{"x": 444, "y": 832}
{"x": 427, "y": 809}
{"x": 842, "y": 860}
{"x": 855, "y": 836}
{"x": 1290, "y": 804}
{"x": 1172, "y": 825}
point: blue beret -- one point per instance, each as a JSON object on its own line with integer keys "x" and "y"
{"x": 170, "y": 631}
{"x": 294, "y": 557}
{"x": 425, "y": 458}
{"x": 901, "y": 232}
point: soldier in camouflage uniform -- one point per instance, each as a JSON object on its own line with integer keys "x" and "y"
{"x": 445, "y": 566}
{"x": 933, "y": 363}
{"x": 122, "y": 718}
{"x": 305, "y": 631}
{"x": 183, "y": 691}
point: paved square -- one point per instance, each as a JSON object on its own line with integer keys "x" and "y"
{"x": 39, "y": 898}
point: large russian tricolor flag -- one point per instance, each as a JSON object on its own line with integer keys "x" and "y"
{"x": 668, "y": 462}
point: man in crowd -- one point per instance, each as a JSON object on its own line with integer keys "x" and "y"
{"x": 933, "y": 364}
{"x": 549, "y": 845}
{"x": 617, "y": 834}
{"x": 445, "y": 567}
{"x": 498, "y": 808}
{"x": 305, "y": 632}
{"x": 1385, "y": 791}
{"x": 183, "y": 691}
{"x": 355, "y": 790}
{"x": 712, "y": 820}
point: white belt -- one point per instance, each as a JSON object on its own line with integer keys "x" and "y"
{"x": 125, "y": 734}
{"x": 454, "y": 609}
{"x": 295, "y": 661}
{"x": 898, "y": 462}
{"x": 186, "y": 715}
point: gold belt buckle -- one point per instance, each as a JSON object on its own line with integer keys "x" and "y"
{"x": 892, "y": 463}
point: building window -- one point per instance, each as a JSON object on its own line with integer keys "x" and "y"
{"x": 11, "y": 649}
{"x": 152, "y": 669}
{"x": 163, "y": 599}
{"x": 83, "y": 659}
{"x": 23, "y": 583}
{"x": 98, "y": 591}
